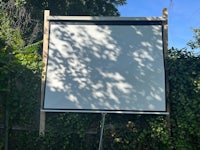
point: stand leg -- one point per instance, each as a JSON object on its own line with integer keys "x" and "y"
{"x": 102, "y": 129}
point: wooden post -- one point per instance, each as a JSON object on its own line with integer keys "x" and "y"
{"x": 165, "y": 16}
{"x": 165, "y": 36}
{"x": 45, "y": 55}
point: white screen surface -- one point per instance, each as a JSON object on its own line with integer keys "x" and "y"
{"x": 105, "y": 68}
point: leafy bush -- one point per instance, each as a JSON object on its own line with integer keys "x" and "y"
{"x": 20, "y": 75}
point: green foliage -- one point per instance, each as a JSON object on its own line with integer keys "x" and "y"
{"x": 76, "y": 7}
{"x": 184, "y": 80}
{"x": 19, "y": 3}
{"x": 196, "y": 43}
{"x": 20, "y": 69}
{"x": 20, "y": 78}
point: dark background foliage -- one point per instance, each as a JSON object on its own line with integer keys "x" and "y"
{"x": 20, "y": 81}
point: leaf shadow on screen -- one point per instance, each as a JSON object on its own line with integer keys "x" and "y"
{"x": 105, "y": 67}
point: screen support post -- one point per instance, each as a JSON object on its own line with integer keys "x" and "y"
{"x": 165, "y": 15}
{"x": 102, "y": 130}
{"x": 44, "y": 55}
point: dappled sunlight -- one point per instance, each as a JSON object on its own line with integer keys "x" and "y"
{"x": 105, "y": 67}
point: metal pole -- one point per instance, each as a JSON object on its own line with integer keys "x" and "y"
{"x": 102, "y": 129}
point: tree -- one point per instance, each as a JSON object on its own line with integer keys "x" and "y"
{"x": 195, "y": 44}
{"x": 20, "y": 67}
{"x": 76, "y": 7}
{"x": 184, "y": 80}
{"x": 72, "y": 8}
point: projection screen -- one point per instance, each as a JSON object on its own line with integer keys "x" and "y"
{"x": 102, "y": 65}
